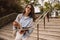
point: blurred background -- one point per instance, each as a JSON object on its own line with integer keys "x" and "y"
{"x": 17, "y": 6}
{"x": 9, "y": 9}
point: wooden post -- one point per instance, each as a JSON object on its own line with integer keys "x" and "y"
{"x": 48, "y": 16}
{"x": 37, "y": 31}
{"x": 44, "y": 22}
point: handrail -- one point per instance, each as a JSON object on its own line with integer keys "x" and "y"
{"x": 43, "y": 15}
{"x": 7, "y": 15}
{"x": 38, "y": 21}
{"x": 40, "y": 16}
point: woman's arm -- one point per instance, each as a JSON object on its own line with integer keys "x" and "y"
{"x": 16, "y": 24}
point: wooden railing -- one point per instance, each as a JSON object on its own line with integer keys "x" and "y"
{"x": 6, "y": 19}
{"x": 38, "y": 21}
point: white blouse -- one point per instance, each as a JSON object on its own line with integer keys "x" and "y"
{"x": 24, "y": 21}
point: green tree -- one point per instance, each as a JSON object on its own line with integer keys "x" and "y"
{"x": 27, "y": 1}
{"x": 57, "y": 6}
{"x": 48, "y": 6}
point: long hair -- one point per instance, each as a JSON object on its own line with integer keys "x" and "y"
{"x": 31, "y": 14}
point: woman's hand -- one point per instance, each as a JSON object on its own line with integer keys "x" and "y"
{"x": 22, "y": 31}
{"x": 16, "y": 24}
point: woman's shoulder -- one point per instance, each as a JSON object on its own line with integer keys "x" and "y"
{"x": 19, "y": 15}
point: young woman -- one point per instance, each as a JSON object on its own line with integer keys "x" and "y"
{"x": 25, "y": 21}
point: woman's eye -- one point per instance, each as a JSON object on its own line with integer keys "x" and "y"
{"x": 29, "y": 7}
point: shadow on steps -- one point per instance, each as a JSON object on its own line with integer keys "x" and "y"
{"x": 2, "y": 39}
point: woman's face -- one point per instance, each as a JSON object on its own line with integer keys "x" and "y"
{"x": 28, "y": 9}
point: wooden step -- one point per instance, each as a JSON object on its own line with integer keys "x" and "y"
{"x": 48, "y": 33}
{"x": 6, "y": 36}
{"x": 35, "y": 38}
{"x": 48, "y": 29}
{"x": 41, "y": 31}
{"x": 44, "y": 36}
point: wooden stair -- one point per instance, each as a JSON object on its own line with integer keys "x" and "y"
{"x": 51, "y": 31}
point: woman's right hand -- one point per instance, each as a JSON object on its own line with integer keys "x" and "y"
{"x": 22, "y": 31}
{"x": 16, "y": 24}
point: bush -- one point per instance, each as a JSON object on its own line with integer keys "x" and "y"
{"x": 7, "y": 8}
